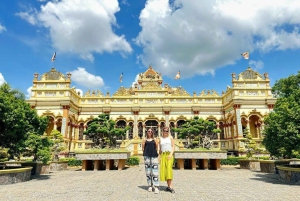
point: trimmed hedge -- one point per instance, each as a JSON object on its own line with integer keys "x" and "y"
{"x": 231, "y": 160}
{"x": 133, "y": 160}
{"x": 72, "y": 161}
{"x": 235, "y": 160}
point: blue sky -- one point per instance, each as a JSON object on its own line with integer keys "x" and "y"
{"x": 97, "y": 40}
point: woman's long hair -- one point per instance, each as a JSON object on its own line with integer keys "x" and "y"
{"x": 152, "y": 133}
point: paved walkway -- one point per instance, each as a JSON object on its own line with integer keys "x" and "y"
{"x": 130, "y": 184}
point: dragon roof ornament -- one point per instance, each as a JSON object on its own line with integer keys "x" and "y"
{"x": 94, "y": 94}
{"x": 209, "y": 93}
{"x": 122, "y": 91}
{"x": 179, "y": 91}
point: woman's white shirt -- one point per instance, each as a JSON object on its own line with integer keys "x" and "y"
{"x": 165, "y": 144}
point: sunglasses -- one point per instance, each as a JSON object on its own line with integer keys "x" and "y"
{"x": 149, "y": 131}
{"x": 166, "y": 131}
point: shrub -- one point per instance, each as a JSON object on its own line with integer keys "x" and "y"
{"x": 3, "y": 154}
{"x": 72, "y": 161}
{"x": 133, "y": 160}
{"x": 231, "y": 160}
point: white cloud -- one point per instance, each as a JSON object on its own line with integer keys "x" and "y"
{"x": 28, "y": 16}
{"x": 28, "y": 95}
{"x": 2, "y": 80}
{"x": 125, "y": 2}
{"x": 2, "y": 28}
{"x": 83, "y": 27}
{"x": 135, "y": 80}
{"x": 256, "y": 65}
{"x": 197, "y": 37}
{"x": 86, "y": 79}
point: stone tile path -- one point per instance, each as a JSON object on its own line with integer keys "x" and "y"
{"x": 229, "y": 183}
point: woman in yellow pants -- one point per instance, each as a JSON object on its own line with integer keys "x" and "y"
{"x": 166, "y": 151}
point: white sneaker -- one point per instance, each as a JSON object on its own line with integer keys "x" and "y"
{"x": 150, "y": 189}
{"x": 156, "y": 191}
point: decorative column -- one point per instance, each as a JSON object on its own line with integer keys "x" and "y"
{"x": 225, "y": 130}
{"x": 144, "y": 131}
{"x": 234, "y": 129}
{"x": 55, "y": 125}
{"x": 159, "y": 131}
{"x": 218, "y": 134}
{"x": 65, "y": 121}
{"x": 127, "y": 133}
{"x": 72, "y": 137}
{"x": 84, "y": 129}
{"x": 167, "y": 113}
{"x": 175, "y": 134}
{"x": 262, "y": 128}
{"x": 238, "y": 125}
{"x": 229, "y": 130}
{"x": 135, "y": 124}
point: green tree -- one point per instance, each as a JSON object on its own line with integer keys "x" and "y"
{"x": 102, "y": 130}
{"x": 58, "y": 143}
{"x": 197, "y": 127}
{"x": 282, "y": 130}
{"x": 17, "y": 120}
{"x": 38, "y": 146}
{"x": 250, "y": 145}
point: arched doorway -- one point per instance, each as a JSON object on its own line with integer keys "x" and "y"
{"x": 254, "y": 126}
{"x": 120, "y": 124}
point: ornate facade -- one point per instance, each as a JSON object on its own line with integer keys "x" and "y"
{"x": 150, "y": 103}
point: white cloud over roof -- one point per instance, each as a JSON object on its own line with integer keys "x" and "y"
{"x": 200, "y": 36}
{"x": 81, "y": 27}
{"x": 86, "y": 79}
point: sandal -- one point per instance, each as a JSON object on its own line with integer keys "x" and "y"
{"x": 172, "y": 190}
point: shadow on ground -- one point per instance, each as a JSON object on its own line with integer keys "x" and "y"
{"x": 272, "y": 178}
{"x": 41, "y": 177}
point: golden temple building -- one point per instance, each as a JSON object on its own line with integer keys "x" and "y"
{"x": 152, "y": 104}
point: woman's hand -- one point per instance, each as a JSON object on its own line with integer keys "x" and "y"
{"x": 170, "y": 156}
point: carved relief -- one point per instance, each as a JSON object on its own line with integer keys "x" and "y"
{"x": 250, "y": 74}
{"x": 53, "y": 74}
{"x": 209, "y": 93}
{"x": 122, "y": 91}
{"x": 152, "y": 85}
{"x": 179, "y": 91}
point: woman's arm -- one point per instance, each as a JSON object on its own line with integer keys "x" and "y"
{"x": 157, "y": 146}
{"x": 173, "y": 145}
{"x": 143, "y": 144}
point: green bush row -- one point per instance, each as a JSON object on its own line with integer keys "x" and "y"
{"x": 235, "y": 160}
{"x": 72, "y": 161}
{"x": 231, "y": 160}
{"x": 133, "y": 160}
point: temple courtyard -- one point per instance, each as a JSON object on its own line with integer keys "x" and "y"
{"x": 229, "y": 183}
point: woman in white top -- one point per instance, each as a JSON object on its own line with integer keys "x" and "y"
{"x": 166, "y": 151}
